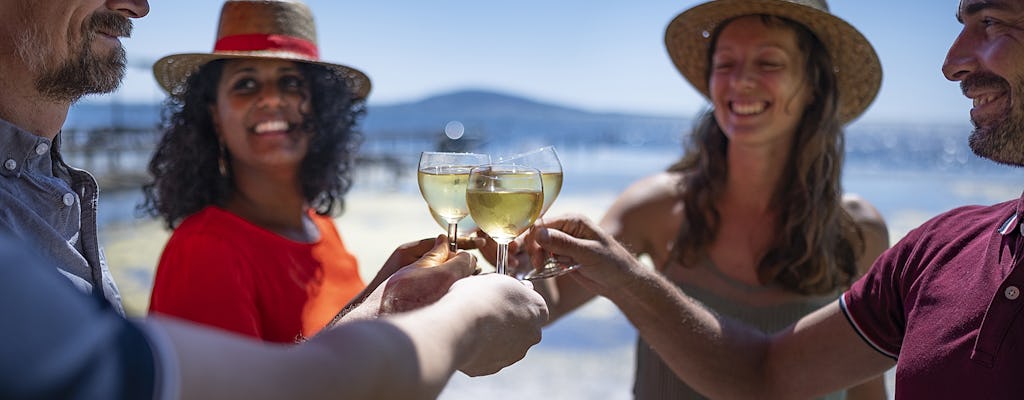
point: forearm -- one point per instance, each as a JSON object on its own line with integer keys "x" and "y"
{"x": 365, "y": 359}
{"x": 408, "y": 355}
{"x": 366, "y": 305}
{"x": 719, "y": 358}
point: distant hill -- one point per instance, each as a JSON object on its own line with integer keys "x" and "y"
{"x": 489, "y": 118}
{"x": 479, "y": 103}
{"x": 498, "y": 123}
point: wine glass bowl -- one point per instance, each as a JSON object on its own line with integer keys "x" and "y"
{"x": 442, "y": 179}
{"x": 504, "y": 200}
{"x": 546, "y": 160}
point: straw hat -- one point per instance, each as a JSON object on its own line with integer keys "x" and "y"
{"x": 858, "y": 71}
{"x": 258, "y": 29}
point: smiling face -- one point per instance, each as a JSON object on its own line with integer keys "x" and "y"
{"x": 757, "y": 81}
{"x": 987, "y": 59}
{"x": 73, "y": 47}
{"x": 259, "y": 113}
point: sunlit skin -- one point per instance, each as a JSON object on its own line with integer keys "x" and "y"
{"x": 59, "y": 33}
{"x": 258, "y": 117}
{"x": 987, "y": 58}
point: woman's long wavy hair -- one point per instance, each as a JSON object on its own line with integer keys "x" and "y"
{"x": 818, "y": 242}
{"x": 185, "y": 168}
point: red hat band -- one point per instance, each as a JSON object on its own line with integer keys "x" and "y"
{"x": 267, "y": 42}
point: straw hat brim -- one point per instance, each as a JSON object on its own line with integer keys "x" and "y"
{"x": 172, "y": 71}
{"x": 857, "y": 68}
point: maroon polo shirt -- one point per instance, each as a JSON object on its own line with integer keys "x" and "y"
{"x": 945, "y": 302}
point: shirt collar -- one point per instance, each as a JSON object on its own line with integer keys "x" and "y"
{"x": 1007, "y": 227}
{"x": 21, "y": 150}
{"x": 1013, "y": 222}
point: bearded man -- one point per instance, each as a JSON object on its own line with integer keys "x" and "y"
{"x": 51, "y": 55}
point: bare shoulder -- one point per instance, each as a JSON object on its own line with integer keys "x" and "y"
{"x": 647, "y": 212}
{"x": 862, "y": 211}
{"x": 656, "y": 190}
{"x": 872, "y": 227}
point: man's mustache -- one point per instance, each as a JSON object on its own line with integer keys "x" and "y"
{"x": 982, "y": 80}
{"x": 110, "y": 23}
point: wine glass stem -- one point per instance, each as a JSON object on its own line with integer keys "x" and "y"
{"x": 453, "y": 243}
{"x": 502, "y": 257}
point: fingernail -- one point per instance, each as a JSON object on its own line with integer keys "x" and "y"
{"x": 528, "y": 284}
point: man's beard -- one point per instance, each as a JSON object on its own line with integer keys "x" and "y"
{"x": 1000, "y": 140}
{"x": 84, "y": 72}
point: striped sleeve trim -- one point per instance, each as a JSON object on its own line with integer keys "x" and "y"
{"x": 1008, "y": 225}
{"x": 860, "y": 331}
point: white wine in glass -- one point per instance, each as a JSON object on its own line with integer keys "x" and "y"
{"x": 504, "y": 200}
{"x": 545, "y": 159}
{"x": 442, "y": 180}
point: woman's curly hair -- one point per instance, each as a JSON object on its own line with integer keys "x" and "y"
{"x": 185, "y": 169}
{"x": 815, "y": 251}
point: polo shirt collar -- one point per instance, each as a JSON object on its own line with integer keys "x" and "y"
{"x": 1013, "y": 222}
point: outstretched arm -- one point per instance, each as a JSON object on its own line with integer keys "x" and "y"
{"x": 61, "y": 342}
{"x": 721, "y": 358}
{"x": 483, "y": 324}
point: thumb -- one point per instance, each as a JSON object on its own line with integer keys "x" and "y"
{"x": 561, "y": 243}
{"x": 437, "y": 254}
{"x": 460, "y": 266}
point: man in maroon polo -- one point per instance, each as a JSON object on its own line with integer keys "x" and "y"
{"x": 943, "y": 305}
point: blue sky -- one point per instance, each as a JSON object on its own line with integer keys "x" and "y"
{"x": 598, "y": 55}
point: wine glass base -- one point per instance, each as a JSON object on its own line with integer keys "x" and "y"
{"x": 550, "y": 271}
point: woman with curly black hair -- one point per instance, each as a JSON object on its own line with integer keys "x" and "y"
{"x": 188, "y": 180}
{"x": 257, "y": 153}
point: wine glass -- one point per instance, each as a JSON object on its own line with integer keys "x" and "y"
{"x": 546, "y": 160}
{"x": 442, "y": 179}
{"x": 465, "y": 226}
{"x": 504, "y": 200}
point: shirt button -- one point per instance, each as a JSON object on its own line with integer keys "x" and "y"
{"x": 10, "y": 164}
{"x": 1011, "y": 292}
{"x": 41, "y": 148}
{"x": 69, "y": 199}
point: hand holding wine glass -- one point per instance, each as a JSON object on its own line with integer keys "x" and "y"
{"x": 442, "y": 180}
{"x": 546, "y": 160}
{"x": 504, "y": 200}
